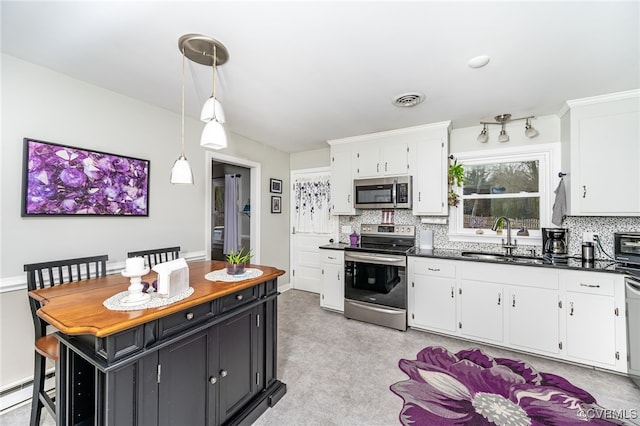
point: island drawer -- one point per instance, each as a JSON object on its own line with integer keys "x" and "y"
{"x": 182, "y": 320}
{"x": 239, "y": 298}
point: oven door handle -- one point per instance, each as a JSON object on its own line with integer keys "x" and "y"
{"x": 382, "y": 260}
{"x": 375, "y": 308}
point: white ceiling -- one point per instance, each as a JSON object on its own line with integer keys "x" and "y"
{"x": 300, "y": 73}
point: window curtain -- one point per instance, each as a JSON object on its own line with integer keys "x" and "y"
{"x": 312, "y": 197}
{"x": 231, "y": 230}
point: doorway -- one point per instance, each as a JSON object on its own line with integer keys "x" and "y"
{"x": 230, "y": 210}
{"x": 247, "y": 174}
{"x": 312, "y": 226}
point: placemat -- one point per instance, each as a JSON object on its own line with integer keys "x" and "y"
{"x": 221, "y": 275}
{"x": 113, "y": 303}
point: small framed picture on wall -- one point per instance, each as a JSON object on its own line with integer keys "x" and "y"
{"x": 276, "y": 202}
{"x": 276, "y": 186}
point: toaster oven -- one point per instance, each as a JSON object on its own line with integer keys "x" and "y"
{"x": 627, "y": 247}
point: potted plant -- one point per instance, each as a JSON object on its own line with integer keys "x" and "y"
{"x": 455, "y": 176}
{"x": 236, "y": 261}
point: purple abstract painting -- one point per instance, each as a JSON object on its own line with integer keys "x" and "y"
{"x": 472, "y": 388}
{"x": 63, "y": 180}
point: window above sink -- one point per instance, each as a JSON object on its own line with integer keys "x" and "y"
{"x": 517, "y": 183}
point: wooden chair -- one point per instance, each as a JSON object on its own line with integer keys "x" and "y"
{"x": 42, "y": 275}
{"x": 155, "y": 256}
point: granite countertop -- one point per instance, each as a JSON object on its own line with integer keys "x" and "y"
{"x": 571, "y": 263}
{"x": 574, "y": 263}
{"x": 335, "y": 246}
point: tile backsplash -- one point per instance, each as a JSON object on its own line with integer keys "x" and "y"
{"x": 604, "y": 226}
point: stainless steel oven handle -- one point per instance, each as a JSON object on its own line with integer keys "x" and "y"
{"x": 633, "y": 286}
{"x": 376, "y": 259}
{"x": 375, "y": 308}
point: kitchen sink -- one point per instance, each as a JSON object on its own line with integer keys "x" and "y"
{"x": 479, "y": 255}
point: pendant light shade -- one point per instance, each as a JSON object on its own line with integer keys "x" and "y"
{"x": 181, "y": 171}
{"x": 213, "y": 136}
{"x": 212, "y": 110}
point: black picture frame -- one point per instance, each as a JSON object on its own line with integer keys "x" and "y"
{"x": 275, "y": 186}
{"x": 276, "y": 204}
{"x": 64, "y": 180}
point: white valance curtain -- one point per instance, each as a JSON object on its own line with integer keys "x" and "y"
{"x": 312, "y": 198}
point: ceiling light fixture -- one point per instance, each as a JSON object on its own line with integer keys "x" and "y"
{"x": 210, "y": 52}
{"x": 181, "y": 170}
{"x": 501, "y": 120}
{"x": 478, "y": 61}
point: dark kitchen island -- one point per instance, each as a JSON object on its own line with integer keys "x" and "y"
{"x": 207, "y": 359}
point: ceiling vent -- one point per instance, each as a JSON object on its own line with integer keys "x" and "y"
{"x": 407, "y": 100}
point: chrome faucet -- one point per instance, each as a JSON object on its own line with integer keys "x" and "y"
{"x": 508, "y": 247}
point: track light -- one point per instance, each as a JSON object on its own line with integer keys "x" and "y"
{"x": 501, "y": 121}
{"x": 529, "y": 131}
{"x": 483, "y": 137}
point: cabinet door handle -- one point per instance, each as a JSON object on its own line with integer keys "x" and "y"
{"x": 571, "y": 306}
{"x": 213, "y": 380}
{"x": 584, "y": 191}
{"x": 452, "y": 292}
{"x": 420, "y": 196}
{"x": 377, "y": 167}
{"x": 189, "y": 316}
{"x": 499, "y": 298}
{"x": 338, "y": 276}
{"x": 348, "y": 198}
{"x": 385, "y": 166}
{"x": 223, "y": 373}
{"x": 513, "y": 301}
{"x": 434, "y": 269}
{"x": 239, "y": 297}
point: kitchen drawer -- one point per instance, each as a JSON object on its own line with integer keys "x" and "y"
{"x": 590, "y": 282}
{"x": 439, "y": 269}
{"x": 239, "y": 298}
{"x": 332, "y": 256}
{"x": 182, "y": 320}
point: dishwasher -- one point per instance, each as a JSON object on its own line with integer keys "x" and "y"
{"x": 633, "y": 328}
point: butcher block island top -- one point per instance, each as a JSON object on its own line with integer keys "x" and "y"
{"x": 77, "y": 308}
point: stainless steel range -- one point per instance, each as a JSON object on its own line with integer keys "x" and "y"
{"x": 375, "y": 275}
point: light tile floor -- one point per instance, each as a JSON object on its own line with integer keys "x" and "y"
{"x": 338, "y": 371}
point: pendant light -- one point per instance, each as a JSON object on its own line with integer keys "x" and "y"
{"x": 214, "y": 135}
{"x": 181, "y": 170}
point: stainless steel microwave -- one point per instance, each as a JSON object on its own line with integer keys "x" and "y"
{"x": 627, "y": 247}
{"x": 393, "y": 192}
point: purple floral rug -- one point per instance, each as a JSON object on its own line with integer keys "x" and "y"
{"x": 472, "y": 388}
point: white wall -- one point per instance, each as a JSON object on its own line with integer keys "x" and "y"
{"x": 41, "y": 104}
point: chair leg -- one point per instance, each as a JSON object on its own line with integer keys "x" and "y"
{"x": 38, "y": 387}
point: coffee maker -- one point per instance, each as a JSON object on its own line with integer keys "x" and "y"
{"x": 555, "y": 244}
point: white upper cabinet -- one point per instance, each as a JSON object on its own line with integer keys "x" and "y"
{"x": 419, "y": 151}
{"x": 341, "y": 180}
{"x": 601, "y": 153}
{"x": 383, "y": 156}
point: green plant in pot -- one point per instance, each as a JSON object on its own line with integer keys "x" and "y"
{"x": 237, "y": 260}
{"x": 455, "y": 176}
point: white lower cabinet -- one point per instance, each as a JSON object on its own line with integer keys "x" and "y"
{"x": 332, "y": 282}
{"x": 595, "y": 319}
{"x": 573, "y": 315}
{"x": 534, "y": 319}
{"x": 481, "y": 310}
{"x": 432, "y": 295}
